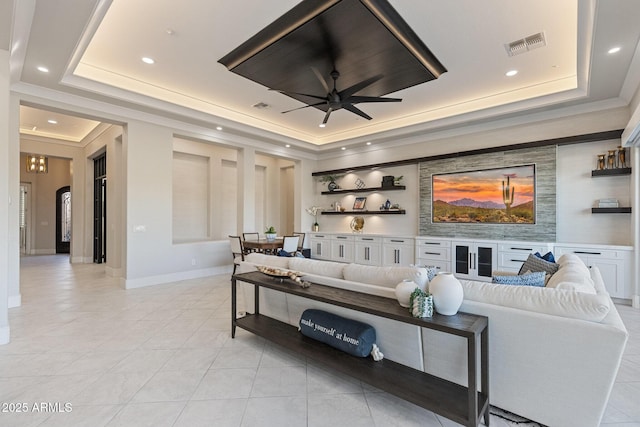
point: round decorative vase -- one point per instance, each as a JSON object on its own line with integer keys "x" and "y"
{"x": 270, "y": 236}
{"x": 332, "y": 186}
{"x": 315, "y": 227}
{"x": 404, "y": 290}
{"x": 447, "y": 293}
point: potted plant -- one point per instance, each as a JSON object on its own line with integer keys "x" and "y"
{"x": 270, "y": 233}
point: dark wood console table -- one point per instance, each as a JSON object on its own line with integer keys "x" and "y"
{"x": 463, "y": 405}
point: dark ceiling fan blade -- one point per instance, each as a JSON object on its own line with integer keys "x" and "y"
{"x": 324, "y": 98}
{"x": 326, "y": 116}
{"x": 358, "y": 99}
{"x": 319, "y": 76}
{"x": 306, "y": 106}
{"x": 346, "y": 93}
{"x": 355, "y": 110}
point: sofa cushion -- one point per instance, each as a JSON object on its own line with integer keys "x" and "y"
{"x": 573, "y": 275}
{"x": 318, "y": 267}
{"x": 528, "y": 279}
{"x": 270, "y": 260}
{"x": 533, "y": 263}
{"x": 385, "y": 276}
{"x": 556, "y": 302}
{"x": 547, "y": 257}
{"x": 351, "y": 336}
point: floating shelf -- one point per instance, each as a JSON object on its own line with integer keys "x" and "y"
{"x": 611, "y": 210}
{"x": 611, "y": 172}
{"x": 365, "y": 190}
{"x": 389, "y": 212}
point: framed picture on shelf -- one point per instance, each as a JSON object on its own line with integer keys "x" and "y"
{"x": 359, "y": 203}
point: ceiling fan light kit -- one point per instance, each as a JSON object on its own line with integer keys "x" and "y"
{"x": 364, "y": 43}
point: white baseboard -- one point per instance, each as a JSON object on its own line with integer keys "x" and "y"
{"x": 635, "y": 301}
{"x": 5, "y": 336}
{"x": 43, "y": 252}
{"x": 173, "y": 277}
{"x": 14, "y": 301}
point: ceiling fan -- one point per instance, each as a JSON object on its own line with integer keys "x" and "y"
{"x": 346, "y": 98}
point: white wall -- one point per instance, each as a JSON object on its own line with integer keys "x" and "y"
{"x": 578, "y": 192}
{"x": 5, "y": 202}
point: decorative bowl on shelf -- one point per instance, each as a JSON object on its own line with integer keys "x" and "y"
{"x": 357, "y": 224}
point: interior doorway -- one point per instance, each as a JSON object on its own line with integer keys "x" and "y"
{"x": 63, "y": 220}
{"x": 100, "y": 209}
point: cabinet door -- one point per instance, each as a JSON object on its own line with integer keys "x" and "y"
{"x": 342, "y": 250}
{"x": 320, "y": 248}
{"x": 612, "y": 271}
{"x": 397, "y": 251}
{"x": 367, "y": 251}
{"x": 474, "y": 260}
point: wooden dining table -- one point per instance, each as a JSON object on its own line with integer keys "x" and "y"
{"x": 264, "y": 245}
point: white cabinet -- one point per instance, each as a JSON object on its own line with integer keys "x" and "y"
{"x": 320, "y": 246}
{"x": 614, "y": 263}
{"x": 367, "y": 250}
{"x": 433, "y": 252}
{"x": 511, "y": 255}
{"x": 398, "y": 251}
{"x": 342, "y": 246}
{"x": 474, "y": 260}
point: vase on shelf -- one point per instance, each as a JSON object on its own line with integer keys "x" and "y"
{"x": 404, "y": 290}
{"x": 601, "y": 161}
{"x": 611, "y": 159}
{"x": 447, "y": 293}
{"x": 622, "y": 157}
{"x": 332, "y": 186}
{"x": 315, "y": 227}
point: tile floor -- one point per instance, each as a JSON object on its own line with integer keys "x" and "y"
{"x": 162, "y": 356}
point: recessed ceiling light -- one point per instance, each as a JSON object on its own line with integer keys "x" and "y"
{"x": 511, "y": 73}
{"x": 53, "y": 122}
{"x": 288, "y": 146}
{"x": 43, "y": 69}
{"x": 368, "y": 142}
{"x": 614, "y": 50}
{"x": 218, "y": 127}
{"x": 148, "y": 60}
{"x": 322, "y": 125}
{"x": 343, "y": 148}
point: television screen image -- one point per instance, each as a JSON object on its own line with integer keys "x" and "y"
{"x": 491, "y": 196}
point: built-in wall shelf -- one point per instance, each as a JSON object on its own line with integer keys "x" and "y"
{"x": 611, "y": 172}
{"x": 611, "y": 210}
{"x": 365, "y": 190}
{"x": 389, "y": 212}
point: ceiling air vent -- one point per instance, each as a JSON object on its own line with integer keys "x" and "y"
{"x": 526, "y": 44}
{"x": 261, "y": 105}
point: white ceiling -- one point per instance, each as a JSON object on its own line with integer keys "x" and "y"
{"x": 94, "y": 48}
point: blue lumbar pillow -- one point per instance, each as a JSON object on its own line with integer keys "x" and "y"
{"x": 350, "y": 336}
{"x": 527, "y": 279}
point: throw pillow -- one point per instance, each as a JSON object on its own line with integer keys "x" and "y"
{"x": 527, "y": 279}
{"x": 534, "y": 264}
{"x": 351, "y": 336}
{"x": 547, "y": 257}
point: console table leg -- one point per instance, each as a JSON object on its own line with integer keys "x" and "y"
{"x": 233, "y": 307}
{"x": 472, "y": 381}
{"x": 484, "y": 343}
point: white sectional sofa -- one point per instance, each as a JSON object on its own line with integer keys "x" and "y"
{"x": 553, "y": 352}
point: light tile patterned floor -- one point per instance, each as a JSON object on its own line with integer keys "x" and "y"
{"x": 162, "y": 356}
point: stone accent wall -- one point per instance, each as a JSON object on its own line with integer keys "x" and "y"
{"x": 545, "y": 227}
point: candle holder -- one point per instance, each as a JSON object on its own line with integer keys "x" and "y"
{"x": 601, "y": 161}
{"x": 622, "y": 157}
{"x": 611, "y": 159}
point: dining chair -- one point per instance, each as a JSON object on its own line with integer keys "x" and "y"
{"x": 290, "y": 244}
{"x": 250, "y": 236}
{"x": 301, "y": 237}
{"x": 237, "y": 251}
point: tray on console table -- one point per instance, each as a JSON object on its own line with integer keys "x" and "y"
{"x": 443, "y": 397}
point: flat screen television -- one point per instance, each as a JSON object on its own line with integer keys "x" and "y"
{"x": 504, "y": 195}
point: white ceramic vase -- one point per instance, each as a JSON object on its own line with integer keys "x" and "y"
{"x": 404, "y": 290}
{"x": 270, "y": 236}
{"x": 447, "y": 293}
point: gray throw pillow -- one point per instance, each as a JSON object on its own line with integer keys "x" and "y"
{"x": 533, "y": 263}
